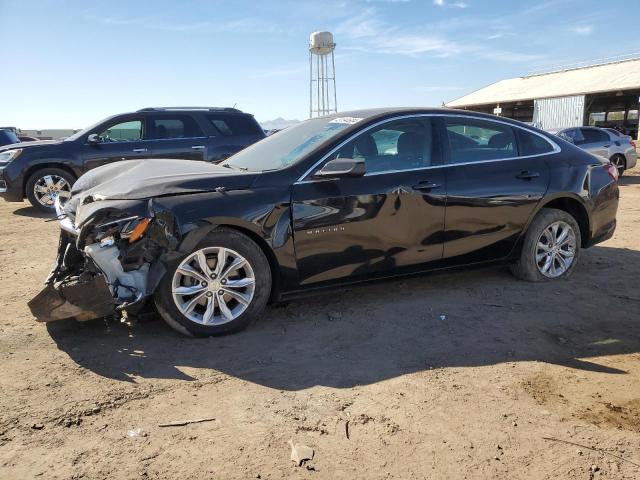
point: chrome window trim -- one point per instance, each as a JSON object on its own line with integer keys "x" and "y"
{"x": 124, "y": 142}
{"x": 556, "y": 147}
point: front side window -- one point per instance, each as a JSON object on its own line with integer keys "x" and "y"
{"x": 573, "y": 135}
{"x": 476, "y": 140}
{"x": 179, "y": 127}
{"x": 130, "y": 131}
{"x": 394, "y": 146}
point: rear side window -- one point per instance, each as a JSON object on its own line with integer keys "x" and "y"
{"x": 592, "y": 135}
{"x": 231, "y": 125}
{"x": 532, "y": 144}
{"x": 475, "y": 140}
{"x": 175, "y": 127}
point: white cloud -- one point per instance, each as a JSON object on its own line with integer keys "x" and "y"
{"x": 582, "y": 29}
{"x": 445, "y": 3}
{"x": 369, "y": 33}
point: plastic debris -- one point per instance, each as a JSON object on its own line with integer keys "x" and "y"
{"x": 300, "y": 453}
{"x": 136, "y": 432}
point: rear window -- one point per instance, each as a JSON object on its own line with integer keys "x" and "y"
{"x": 477, "y": 140}
{"x": 532, "y": 144}
{"x": 230, "y": 125}
{"x": 591, "y": 135}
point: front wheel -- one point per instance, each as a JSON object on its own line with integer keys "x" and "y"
{"x": 46, "y": 185}
{"x": 551, "y": 247}
{"x": 219, "y": 288}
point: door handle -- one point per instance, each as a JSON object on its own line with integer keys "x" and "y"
{"x": 527, "y": 175}
{"x": 425, "y": 186}
{"x": 197, "y": 147}
{"x": 139, "y": 150}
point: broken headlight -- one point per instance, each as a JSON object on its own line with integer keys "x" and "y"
{"x": 129, "y": 228}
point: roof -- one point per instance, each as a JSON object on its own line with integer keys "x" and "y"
{"x": 623, "y": 75}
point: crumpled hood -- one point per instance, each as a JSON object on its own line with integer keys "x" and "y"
{"x": 142, "y": 179}
{"x": 27, "y": 145}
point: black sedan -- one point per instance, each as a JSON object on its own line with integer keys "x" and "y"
{"x": 330, "y": 201}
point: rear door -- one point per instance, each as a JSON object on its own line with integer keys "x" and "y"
{"x": 595, "y": 141}
{"x": 121, "y": 139}
{"x": 388, "y": 220}
{"x": 496, "y": 175}
{"x": 176, "y": 136}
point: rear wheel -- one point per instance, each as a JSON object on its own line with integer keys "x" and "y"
{"x": 46, "y": 185}
{"x": 219, "y": 288}
{"x": 620, "y": 163}
{"x": 551, "y": 247}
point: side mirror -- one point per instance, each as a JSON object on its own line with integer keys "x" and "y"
{"x": 93, "y": 139}
{"x": 342, "y": 167}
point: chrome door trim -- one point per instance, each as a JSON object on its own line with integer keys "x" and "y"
{"x": 556, "y": 147}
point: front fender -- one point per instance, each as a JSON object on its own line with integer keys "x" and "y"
{"x": 262, "y": 214}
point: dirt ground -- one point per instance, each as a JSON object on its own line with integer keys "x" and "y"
{"x": 372, "y": 378}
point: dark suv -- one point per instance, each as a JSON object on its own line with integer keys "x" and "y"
{"x": 43, "y": 171}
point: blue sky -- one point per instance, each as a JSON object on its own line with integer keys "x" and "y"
{"x": 70, "y": 63}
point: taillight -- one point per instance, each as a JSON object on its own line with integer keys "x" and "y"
{"x": 612, "y": 171}
{"x": 633, "y": 143}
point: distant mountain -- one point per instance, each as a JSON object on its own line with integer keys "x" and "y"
{"x": 278, "y": 123}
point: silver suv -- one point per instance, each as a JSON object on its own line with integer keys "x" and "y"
{"x": 606, "y": 143}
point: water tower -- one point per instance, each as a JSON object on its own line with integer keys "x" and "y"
{"x": 322, "y": 75}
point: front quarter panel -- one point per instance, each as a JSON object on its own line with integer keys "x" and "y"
{"x": 263, "y": 213}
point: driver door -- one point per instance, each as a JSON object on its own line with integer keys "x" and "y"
{"x": 389, "y": 220}
{"x": 123, "y": 139}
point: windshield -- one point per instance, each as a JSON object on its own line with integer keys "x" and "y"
{"x": 7, "y": 137}
{"x": 84, "y": 131}
{"x": 288, "y": 146}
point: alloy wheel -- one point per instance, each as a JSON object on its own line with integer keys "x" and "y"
{"x": 213, "y": 286}
{"x": 49, "y": 187}
{"x": 618, "y": 162}
{"x": 556, "y": 249}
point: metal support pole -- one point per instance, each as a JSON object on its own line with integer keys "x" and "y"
{"x": 333, "y": 74}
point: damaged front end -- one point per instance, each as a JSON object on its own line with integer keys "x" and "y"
{"x": 109, "y": 259}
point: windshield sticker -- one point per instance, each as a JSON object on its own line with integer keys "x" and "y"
{"x": 347, "y": 120}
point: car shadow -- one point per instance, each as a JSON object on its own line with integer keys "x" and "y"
{"x": 629, "y": 180}
{"x": 33, "y": 212}
{"x": 384, "y": 330}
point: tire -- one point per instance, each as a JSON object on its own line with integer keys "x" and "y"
{"x": 43, "y": 179}
{"x": 201, "y": 314}
{"x": 535, "y": 247}
{"x": 620, "y": 162}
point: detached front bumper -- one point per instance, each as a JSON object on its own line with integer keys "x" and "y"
{"x": 74, "y": 300}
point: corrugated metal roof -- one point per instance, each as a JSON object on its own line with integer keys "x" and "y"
{"x": 599, "y": 78}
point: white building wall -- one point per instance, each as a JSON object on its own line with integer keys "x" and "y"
{"x": 560, "y": 112}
